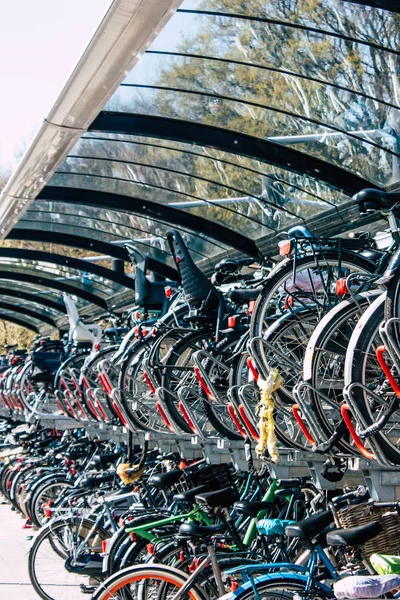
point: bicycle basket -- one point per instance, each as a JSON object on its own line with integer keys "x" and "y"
{"x": 215, "y": 477}
{"x": 388, "y": 541}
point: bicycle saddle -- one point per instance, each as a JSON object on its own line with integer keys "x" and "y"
{"x": 165, "y": 480}
{"x": 92, "y": 482}
{"x": 231, "y": 265}
{"x": 225, "y": 497}
{"x": 371, "y": 199}
{"x": 251, "y": 509}
{"x": 354, "y": 536}
{"x": 201, "y": 531}
{"x": 309, "y": 528}
{"x": 244, "y": 296}
{"x": 293, "y": 482}
{"x": 189, "y": 495}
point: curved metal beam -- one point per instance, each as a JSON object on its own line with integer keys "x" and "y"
{"x": 23, "y": 310}
{"x": 152, "y": 210}
{"x": 78, "y": 241}
{"x": 390, "y": 5}
{"x": 54, "y": 284}
{"x": 34, "y": 299}
{"x": 67, "y": 261}
{"x": 64, "y": 239}
{"x": 20, "y": 322}
{"x": 233, "y": 142}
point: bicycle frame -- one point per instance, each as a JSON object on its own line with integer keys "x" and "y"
{"x": 304, "y": 572}
{"x": 144, "y": 531}
{"x": 198, "y": 514}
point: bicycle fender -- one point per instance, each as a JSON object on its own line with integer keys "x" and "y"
{"x": 277, "y": 578}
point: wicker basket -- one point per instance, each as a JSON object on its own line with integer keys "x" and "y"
{"x": 387, "y": 542}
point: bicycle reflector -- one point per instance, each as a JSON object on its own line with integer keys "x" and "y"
{"x": 252, "y": 305}
{"x": 168, "y": 292}
{"x": 285, "y": 247}
{"x": 231, "y": 322}
{"x": 341, "y": 287}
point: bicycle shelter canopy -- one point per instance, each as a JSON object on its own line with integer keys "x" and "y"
{"x": 241, "y": 119}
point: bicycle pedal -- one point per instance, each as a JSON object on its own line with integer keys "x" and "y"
{"x": 87, "y": 589}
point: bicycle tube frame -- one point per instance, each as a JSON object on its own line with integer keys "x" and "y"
{"x": 269, "y": 496}
{"x": 144, "y": 531}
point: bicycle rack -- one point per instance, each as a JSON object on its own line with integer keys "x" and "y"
{"x": 244, "y": 410}
{"x": 348, "y": 395}
{"x": 163, "y": 410}
{"x": 300, "y": 393}
{"x": 233, "y": 411}
{"x": 202, "y": 374}
{"x": 389, "y": 341}
{"x": 118, "y": 407}
{"x": 186, "y": 411}
{"x": 256, "y": 349}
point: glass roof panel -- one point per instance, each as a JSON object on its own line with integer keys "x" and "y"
{"x": 4, "y": 313}
{"x": 314, "y": 76}
{"x": 36, "y": 290}
{"x": 114, "y": 226}
{"x": 337, "y": 18}
{"x": 231, "y": 190}
{"x": 78, "y": 279}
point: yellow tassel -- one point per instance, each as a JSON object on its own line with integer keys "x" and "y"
{"x": 266, "y": 415}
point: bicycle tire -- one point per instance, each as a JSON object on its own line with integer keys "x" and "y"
{"x": 166, "y": 576}
{"x": 332, "y": 336}
{"x": 54, "y": 529}
{"x": 365, "y": 335}
{"x": 281, "y": 587}
{"x": 193, "y": 341}
{"x": 284, "y": 272}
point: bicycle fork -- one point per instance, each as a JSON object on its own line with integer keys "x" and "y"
{"x": 192, "y": 580}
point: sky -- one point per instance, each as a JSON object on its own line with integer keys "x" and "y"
{"x": 41, "y": 42}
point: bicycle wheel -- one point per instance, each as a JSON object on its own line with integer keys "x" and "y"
{"x": 45, "y": 496}
{"x": 55, "y": 544}
{"x": 324, "y": 362}
{"x": 362, "y": 367}
{"x": 179, "y": 372}
{"x": 137, "y": 399}
{"x": 287, "y": 340}
{"x": 281, "y": 587}
{"x": 146, "y": 583}
{"x": 36, "y": 396}
{"x": 287, "y": 430}
{"x": 314, "y": 285}
{"x": 392, "y": 306}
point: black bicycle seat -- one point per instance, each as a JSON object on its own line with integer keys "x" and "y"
{"x": 201, "y": 531}
{"x": 189, "y": 495}
{"x": 165, "y": 480}
{"x": 354, "y": 536}
{"x": 225, "y": 497}
{"x": 310, "y": 527}
{"x": 371, "y": 199}
{"x": 251, "y": 509}
{"x": 292, "y": 482}
{"x": 244, "y": 296}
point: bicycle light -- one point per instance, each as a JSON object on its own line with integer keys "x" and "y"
{"x": 341, "y": 287}
{"x": 285, "y": 247}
